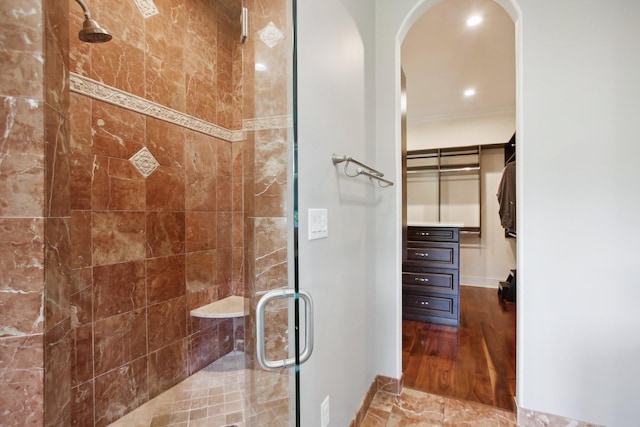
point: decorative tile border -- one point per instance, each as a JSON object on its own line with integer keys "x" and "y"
{"x": 100, "y": 91}
{"x": 265, "y": 123}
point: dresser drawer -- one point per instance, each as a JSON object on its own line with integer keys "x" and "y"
{"x": 433, "y": 234}
{"x": 430, "y": 281}
{"x": 432, "y": 305}
{"x": 434, "y": 254}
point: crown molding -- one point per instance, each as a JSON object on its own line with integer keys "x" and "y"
{"x": 468, "y": 114}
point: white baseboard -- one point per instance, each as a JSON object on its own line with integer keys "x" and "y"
{"x": 480, "y": 282}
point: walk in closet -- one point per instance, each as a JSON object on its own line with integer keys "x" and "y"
{"x": 444, "y": 186}
{"x": 458, "y": 187}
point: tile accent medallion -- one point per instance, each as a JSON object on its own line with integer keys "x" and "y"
{"x": 100, "y": 91}
{"x": 147, "y": 8}
{"x": 271, "y": 35}
{"x": 144, "y": 162}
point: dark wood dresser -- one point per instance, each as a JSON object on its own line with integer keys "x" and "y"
{"x": 431, "y": 275}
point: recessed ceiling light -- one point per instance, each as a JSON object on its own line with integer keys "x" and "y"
{"x": 469, "y": 92}
{"x": 260, "y": 66}
{"x": 474, "y": 20}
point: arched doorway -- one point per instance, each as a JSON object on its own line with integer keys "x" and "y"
{"x": 451, "y": 344}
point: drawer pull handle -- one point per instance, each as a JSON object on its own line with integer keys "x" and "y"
{"x": 424, "y": 302}
{"x": 423, "y": 234}
{"x": 422, "y": 254}
{"x": 420, "y": 279}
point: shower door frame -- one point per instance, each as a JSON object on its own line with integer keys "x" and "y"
{"x": 266, "y": 358}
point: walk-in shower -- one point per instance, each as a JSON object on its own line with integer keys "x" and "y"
{"x": 91, "y": 32}
{"x": 176, "y": 143}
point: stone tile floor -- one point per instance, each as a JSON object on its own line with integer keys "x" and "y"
{"x": 213, "y": 398}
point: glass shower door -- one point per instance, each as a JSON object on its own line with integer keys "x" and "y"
{"x": 283, "y": 313}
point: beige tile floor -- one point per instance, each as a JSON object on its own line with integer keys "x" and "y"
{"x": 213, "y": 398}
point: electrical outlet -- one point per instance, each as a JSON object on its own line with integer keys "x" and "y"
{"x": 324, "y": 412}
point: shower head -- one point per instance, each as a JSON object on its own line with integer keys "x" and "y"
{"x": 92, "y": 32}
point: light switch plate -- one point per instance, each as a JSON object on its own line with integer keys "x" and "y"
{"x": 318, "y": 224}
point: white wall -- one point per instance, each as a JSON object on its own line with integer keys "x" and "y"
{"x": 481, "y": 130}
{"x": 486, "y": 260}
{"x": 580, "y": 209}
{"x": 578, "y": 289}
{"x": 336, "y": 107}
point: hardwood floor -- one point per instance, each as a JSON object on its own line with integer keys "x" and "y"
{"x": 475, "y": 361}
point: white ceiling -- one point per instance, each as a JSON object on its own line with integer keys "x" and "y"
{"x": 442, "y": 56}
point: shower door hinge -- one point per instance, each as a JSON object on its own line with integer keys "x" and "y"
{"x": 244, "y": 18}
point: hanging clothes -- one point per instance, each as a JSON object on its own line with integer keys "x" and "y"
{"x": 507, "y": 197}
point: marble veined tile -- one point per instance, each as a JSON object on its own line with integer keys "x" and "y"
{"x": 461, "y": 413}
{"x": 414, "y": 408}
{"x": 530, "y": 418}
{"x": 418, "y": 409}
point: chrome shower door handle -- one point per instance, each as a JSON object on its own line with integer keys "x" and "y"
{"x": 261, "y": 354}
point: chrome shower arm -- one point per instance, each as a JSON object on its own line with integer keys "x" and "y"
{"x": 85, "y": 9}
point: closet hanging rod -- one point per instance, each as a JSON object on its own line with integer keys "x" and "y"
{"x": 429, "y": 153}
{"x": 363, "y": 170}
{"x": 460, "y": 169}
{"x": 465, "y": 169}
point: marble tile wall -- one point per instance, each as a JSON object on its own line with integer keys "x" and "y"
{"x": 267, "y": 99}
{"x": 147, "y": 250}
{"x": 34, "y": 213}
{"x": 96, "y": 258}
{"x": 57, "y": 247}
{"x": 186, "y": 57}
